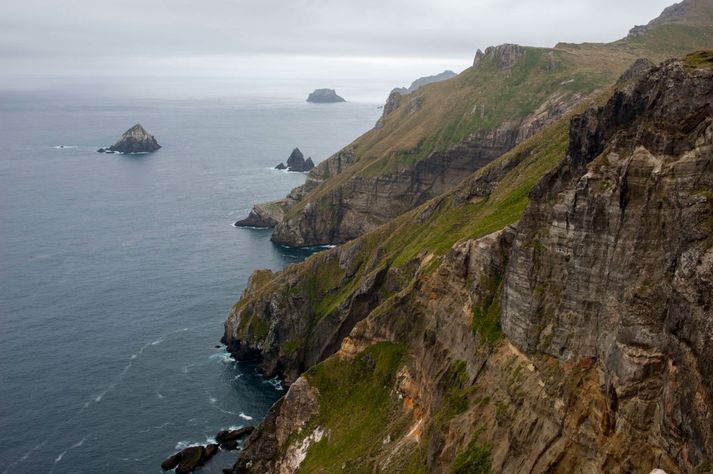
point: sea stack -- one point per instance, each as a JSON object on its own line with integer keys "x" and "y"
{"x": 324, "y": 96}
{"x": 296, "y": 162}
{"x": 134, "y": 140}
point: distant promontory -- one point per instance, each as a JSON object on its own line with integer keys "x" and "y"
{"x": 324, "y": 96}
{"x": 134, "y": 140}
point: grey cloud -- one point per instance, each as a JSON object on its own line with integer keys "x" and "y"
{"x": 36, "y": 32}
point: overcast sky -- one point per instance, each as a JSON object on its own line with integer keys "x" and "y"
{"x": 229, "y": 37}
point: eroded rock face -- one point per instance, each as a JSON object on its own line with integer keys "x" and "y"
{"x": 613, "y": 259}
{"x": 135, "y": 140}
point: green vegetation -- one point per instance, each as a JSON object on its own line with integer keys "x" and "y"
{"x": 454, "y": 385}
{"x": 291, "y": 346}
{"x": 357, "y": 408}
{"x": 699, "y": 60}
{"x": 486, "y": 316}
{"x": 474, "y": 460}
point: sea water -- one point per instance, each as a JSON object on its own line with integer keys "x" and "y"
{"x": 117, "y": 271}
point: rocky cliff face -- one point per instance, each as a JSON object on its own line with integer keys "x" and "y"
{"x": 574, "y": 339}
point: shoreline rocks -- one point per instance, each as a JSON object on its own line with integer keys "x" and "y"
{"x": 188, "y": 459}
{"x": 134, "y": 140}
{"x": 324, "y": 96}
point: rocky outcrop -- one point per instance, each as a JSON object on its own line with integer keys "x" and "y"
{"x": 577, "y": 339}
{"x": 134, "y": 140}
{"x": 189, "y": 459}
{"x": 296, "y": 162}
{"x": 324, "y": 96}
{"x": 505, "y": 55}
{"x": 266, "y": 215}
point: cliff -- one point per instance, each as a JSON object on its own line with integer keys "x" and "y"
{"x": 429, "y": 141}
{"x": 550, "y": 314}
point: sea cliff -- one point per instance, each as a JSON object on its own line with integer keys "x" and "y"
{"x": 551, "y": 313}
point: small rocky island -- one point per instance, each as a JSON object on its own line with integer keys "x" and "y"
{"x": 324, "y": 96}
{"x": 296, "y": 162}
{"x": 134, "y": 140}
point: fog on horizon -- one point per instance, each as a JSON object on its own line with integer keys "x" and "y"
{"x": 363, "y": 48}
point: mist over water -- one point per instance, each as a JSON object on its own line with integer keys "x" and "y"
{"x": 117, "y": 272}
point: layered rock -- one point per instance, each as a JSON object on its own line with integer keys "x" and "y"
{"x": 575, "y": 340}
{"x": 324, "y": 96}
{"x": 134, "y": 140}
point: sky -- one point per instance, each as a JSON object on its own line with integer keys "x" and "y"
{"x": 332, "y": 40}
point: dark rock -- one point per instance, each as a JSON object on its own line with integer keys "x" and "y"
{"x": 324, "y": 96}
{"x": 171, "y": 462}
{"x": 281, "y": 166}
{"x": 210, "y": 450}
{"x": 218, "y": 346}
{"x": 296, "y": 162}
{"x": 225, "y": 436}
{"x": 191, "y": 458}
{"x": 229, "y": 445}
{"x": 263, "y": 215}
{"x": 101, "y": 150}
{"x": 135, "y": 140}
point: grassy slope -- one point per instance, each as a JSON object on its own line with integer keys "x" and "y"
{"x": 451, "y": 110}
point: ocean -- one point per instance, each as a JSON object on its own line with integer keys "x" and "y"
{"x": 117, "y": 272}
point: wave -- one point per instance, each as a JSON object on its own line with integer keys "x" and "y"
{"x": 245, "y": 417}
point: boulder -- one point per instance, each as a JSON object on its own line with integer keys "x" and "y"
{"x": 281, "y": 166}
{"x": 171, "y": 462}
{"x": 226, "y": 436}
{"x": 324, "y": 96}
{"x": 229, "y": 445}
{"x": 210, "y": 450}
{"x": 134, "y": 140}
{"x": 191, "y": 458}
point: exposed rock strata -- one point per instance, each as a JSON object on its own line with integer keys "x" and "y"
{"x": 603, "y": 291}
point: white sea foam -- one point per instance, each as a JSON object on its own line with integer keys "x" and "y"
{"x": 212, "y": 400}
{"x": 245, "y": 417}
